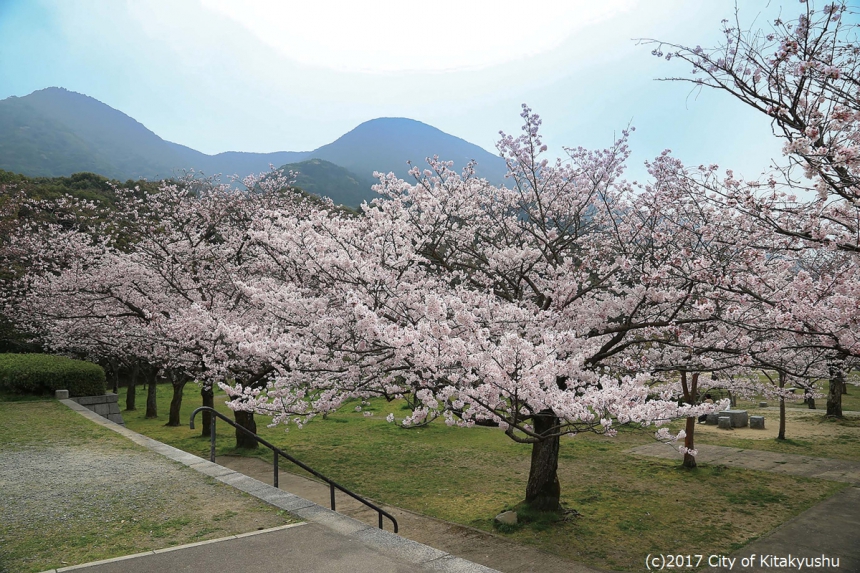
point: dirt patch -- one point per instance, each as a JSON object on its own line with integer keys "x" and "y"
{"x": 66, "y": 502}
{"x": 804, "y": 424}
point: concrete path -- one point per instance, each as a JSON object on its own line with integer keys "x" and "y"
{"x": 829, "y": 531}
{"x": 806, "y": 466}
{"x": 466, "y": 542}
{"x": 294, "y": 548}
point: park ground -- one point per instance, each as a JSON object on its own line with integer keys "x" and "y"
{"x": 628, "y": 506}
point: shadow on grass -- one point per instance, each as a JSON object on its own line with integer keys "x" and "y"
{"x": 25, "y": 398}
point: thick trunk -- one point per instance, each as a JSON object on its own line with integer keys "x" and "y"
{"x": 208, "y": 396}
{"x": 781, "y": 435}
{"x": 151, "y": 402}
{"x": 811, "y": 403}
{"x": 543, "y": 491}
{"x": 246, "y": 420}
{"x": 834, "y": 396}
{"x": 131, "y": 389}
{"x": 179, "y": 383}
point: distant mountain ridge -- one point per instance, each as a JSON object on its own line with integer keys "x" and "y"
{"x": 56, "y": 132}
{"x": 387, "y": 143}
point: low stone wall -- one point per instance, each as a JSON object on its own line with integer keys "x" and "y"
{"x": 105, "y": 406}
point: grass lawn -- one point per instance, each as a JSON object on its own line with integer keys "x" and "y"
{"x": 630, "y": 506}
{"x": 72, "y": 492}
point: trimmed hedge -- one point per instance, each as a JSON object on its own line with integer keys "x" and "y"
{"x": 44, "y": 373}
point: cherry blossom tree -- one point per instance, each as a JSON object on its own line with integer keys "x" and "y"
{"x": 151, "y": 284}
{"x": 803, "y": 74}
{"x": 518, "y": 306}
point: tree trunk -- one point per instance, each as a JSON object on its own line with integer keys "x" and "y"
{"x": 689, "y": 460}
{"x": 781, "y": 435}
{"x": 834, "y": 396}
{"x": 178, "y": 381}
{"x": 811, "y": 403}
{"x": 543, "y": 491}
{"x": 691, "y": 394}
{"x": 208, "y": 396}
{"x": 151, "y": 385}
{"x": 246, "y": 420}
{"x": 131, "y": 389}
{"x": 114, "y": 369}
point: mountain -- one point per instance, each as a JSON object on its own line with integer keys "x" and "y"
{"x": 55, "y": 132}
{"x": 322, "y": 177}
{"x": 387, "y": 143}
{"x": 36, "y": 144}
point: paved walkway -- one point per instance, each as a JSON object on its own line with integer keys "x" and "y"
{"x": 299, "y": 547}
{"x": 829, "y": 530}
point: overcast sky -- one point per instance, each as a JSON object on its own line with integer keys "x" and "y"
{"x": 271, "y": 75}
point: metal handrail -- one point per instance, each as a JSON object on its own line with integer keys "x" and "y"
{"x": 279, "y": 452}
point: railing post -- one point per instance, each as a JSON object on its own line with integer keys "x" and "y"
{"x": 275, "y": 453}
{"x": 331, "y": 487}
{"x": 212, "y": 419}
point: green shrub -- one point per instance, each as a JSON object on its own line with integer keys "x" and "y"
{"x": 43, "y": 373}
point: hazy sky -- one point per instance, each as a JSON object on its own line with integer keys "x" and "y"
{"x": 269, "y": 75}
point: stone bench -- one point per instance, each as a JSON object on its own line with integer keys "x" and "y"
{"x": 738, "y": 418}
{"x": 757, "y": 422}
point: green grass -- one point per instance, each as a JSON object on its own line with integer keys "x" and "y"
{"x": 190, "y": 509}
{"x": 627, "y": 504}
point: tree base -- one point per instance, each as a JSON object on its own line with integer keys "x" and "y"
{"x": 243, "y": 440}
{"x": 543, "y": 505}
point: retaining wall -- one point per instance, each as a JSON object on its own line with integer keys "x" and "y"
{"x": 105, "y": 406}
